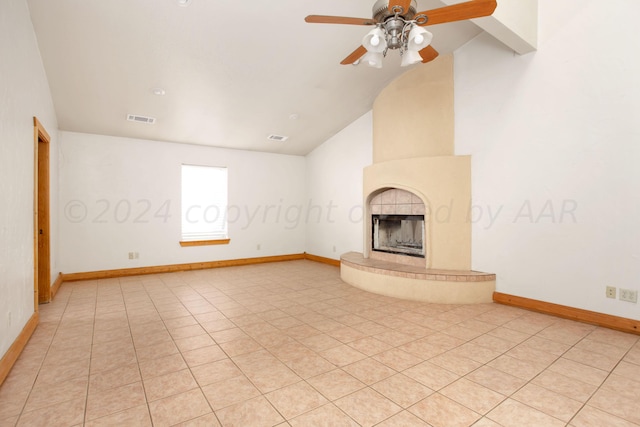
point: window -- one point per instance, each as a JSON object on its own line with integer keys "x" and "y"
{"x": 204, "y": 205}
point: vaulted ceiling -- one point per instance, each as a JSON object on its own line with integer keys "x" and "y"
{"x": 232, "y": 72}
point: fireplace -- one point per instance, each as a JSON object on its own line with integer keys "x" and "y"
{"x": 398, "y": 234}
{"x": 397, "y": 228}
{"x": 416, "y": 231}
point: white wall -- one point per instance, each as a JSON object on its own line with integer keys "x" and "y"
{"x": 334, "y": 186}
{"x": 24, "y": 93}
{"x": 554, "y": 131}
{"x": 122, "y": 195}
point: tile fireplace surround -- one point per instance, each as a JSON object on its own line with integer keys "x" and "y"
{"x": 415, "y": 172}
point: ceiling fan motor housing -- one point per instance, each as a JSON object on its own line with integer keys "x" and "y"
{"x": 381, "y": 11}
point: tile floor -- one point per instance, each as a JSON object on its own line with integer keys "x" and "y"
{"x": 289, "y": 344}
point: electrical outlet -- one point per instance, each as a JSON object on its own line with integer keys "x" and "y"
{"x": 258, "y": 246}
{"x": 130, "y": 255}
{"x": 611, "y": 292}
{"x": 136, "y": 255}
{"x": 334, "y": 249}
{"x": 629, "y": 295}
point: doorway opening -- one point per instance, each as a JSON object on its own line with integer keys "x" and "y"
{"x": 41, "y": 244}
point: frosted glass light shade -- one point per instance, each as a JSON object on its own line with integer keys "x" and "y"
{"x": 375, "y": 40}
{"x": 419, "y": 38}
{"x": 410, "y": 57}
{"x": 373, "y": 59}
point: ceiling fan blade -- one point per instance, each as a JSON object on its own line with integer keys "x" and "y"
{"x": 404, "y": 4}
{"x": 428, "y": 54}
{"x": 458, "y": 12}
{"x": 354, "y": 56}
{"x": 322, "y": 19}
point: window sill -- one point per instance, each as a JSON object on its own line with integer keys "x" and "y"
{"x": 205, "y": 242}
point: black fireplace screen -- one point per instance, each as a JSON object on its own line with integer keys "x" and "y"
{"x": 399, "y": 234}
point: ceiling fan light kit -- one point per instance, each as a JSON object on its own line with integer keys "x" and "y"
{"x": 399, "y": 27}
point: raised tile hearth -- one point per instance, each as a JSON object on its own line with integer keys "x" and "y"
{"x": 417, "y": 283}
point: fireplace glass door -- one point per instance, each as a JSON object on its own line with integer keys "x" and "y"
{"x": 399, "y": 234}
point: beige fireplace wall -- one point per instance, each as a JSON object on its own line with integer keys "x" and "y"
{"x": 413, "y": 148}
{"x": 413, "y": 115}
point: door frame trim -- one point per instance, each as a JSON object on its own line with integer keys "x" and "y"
{"x": 41, "y": 200}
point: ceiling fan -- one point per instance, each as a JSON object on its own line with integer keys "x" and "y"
{"x": 399, "y": 26}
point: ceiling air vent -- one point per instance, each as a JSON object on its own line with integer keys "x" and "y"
{"x": 280, "y": 138}
{"x": 141, "y": 119}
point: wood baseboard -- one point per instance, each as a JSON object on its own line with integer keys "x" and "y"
{"x": 56, "y": 286}
{"x": 173, "y": 268}
{"x": 11, "y": 356}
{"x": 608, "y": 321}
{"x": 316, "y": 258}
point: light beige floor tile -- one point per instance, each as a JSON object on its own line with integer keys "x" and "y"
{"x": 628, "y": 370}
{"x": 569, "y": 387}
{"x": 457, "y": 364}
{"x": 617, "y": 338}
{"x": 548, "y": 346}
{"x": 47, "y": 394}
{"x": 64, "y": 413}
{"x": 578, "y": 371}
{"x": 594, "y": 417}
{"x": 529, "y": 354}
{"x": 325, "y": 416}
{"x": 616, "y": 404}
{"x": 367, "y": 407}
{"x": 486, "y": 422}
{"x": 320, "y": 342}
{"x": 431, "y": 375}
{"x": 402, "y": 390}
{"x": 296, "y": 399}
{"x": 136, "y": 416}
{"x": 516, "y": 367}
{"x": 342, "y": 355}
{"x": 162, "y": 365}
{"x": 240, "y": 346}
{"x": 369, "y": 371}
{"x": 335, "y": 384}
{"x": 210, "y": 373}
{"x": 169, "y": 384}
{"x": 310, "y": 366}
{"x": 123, "y": 375}
{"x": 547, "y": 401}
{"x": 208, "y": 420}
{"x": 591, "y": 358}
{"x": 273, "y": 378}
{"x": 370, "y": 346}
{"x": 403, "y": 419}
{"x": 397, "y": 359}
{"x": 64, "y": 372}
{"x": 473, "y": 396}
{"x": 440, "y": 411}
{"x": 203, "y": 355}
{"x": 156, "y": 351}
{"x": 229, "y": 391}
{"x": 194, "y": 342}
{"x": 254, "y": 412}
{"x": 493, "y": 343}
{"x": 106, "y": 402}
{"x": 511, "y": 413}
{"x": 8, "y": 421}
{"x": 179, "y": 408}
{"x": 496, "y": 380}
{"x": 285, "y": 323}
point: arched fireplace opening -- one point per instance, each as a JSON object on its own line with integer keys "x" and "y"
{"x": 397, "y": 227}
